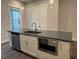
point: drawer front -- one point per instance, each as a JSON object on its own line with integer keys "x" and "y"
{"x": 44, "y": 55}
{"x": 30, "y": 44}
{"x": 28, "y": 38}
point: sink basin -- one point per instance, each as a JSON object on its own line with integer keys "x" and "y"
{"x": 33, "y": 32}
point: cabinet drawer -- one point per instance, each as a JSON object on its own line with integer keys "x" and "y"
{"x": 30, "y": 44}
{"x": 28, "y": 38}
{"x": 44, "y": 55}
{"x": 32, "y": 41}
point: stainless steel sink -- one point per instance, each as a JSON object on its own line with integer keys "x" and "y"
{"x": 32, "y": 32}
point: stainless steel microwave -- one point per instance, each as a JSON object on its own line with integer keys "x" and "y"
{"x": 48, "y": 45}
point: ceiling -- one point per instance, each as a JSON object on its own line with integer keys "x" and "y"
{"x": 25, "y": 1}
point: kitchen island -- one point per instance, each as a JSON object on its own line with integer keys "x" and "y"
{"x": 57, "y": 46}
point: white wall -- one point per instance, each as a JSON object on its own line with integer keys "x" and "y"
{"x": 5, "y": 20}
{"x": 44, "y": 14}
{"x": 67, "y": 20}
{"x": 36, "y": 12}
{"x": 52, "y": 16}
{"x": 14, "y": 3}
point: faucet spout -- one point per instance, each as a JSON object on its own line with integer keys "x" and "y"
{"x": 35, "y": 26}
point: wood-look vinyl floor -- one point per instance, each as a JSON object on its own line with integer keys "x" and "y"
{"x": 9, "y": 53}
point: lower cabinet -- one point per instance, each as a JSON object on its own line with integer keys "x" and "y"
{"x": 63, "y": 52}
{"x": 29, "y": 46}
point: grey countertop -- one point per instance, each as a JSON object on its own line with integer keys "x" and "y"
{"x": 57, "y": 35}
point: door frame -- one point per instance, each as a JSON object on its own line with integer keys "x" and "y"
{"x": 9, "y": 8}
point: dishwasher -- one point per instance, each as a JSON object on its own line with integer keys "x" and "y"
{"x": 15, "y": 38}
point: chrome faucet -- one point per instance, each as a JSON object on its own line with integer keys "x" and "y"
{"x": 35, "y": 26}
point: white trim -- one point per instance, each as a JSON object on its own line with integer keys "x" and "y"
{"x": 21, "y": 12}
{"x": 74, "y": 39}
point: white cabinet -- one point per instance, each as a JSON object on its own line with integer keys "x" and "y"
{"x": 64, "y": 50}
{"x": 29, "y": 44}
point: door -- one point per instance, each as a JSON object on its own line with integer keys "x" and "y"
{"x": 15, "y": 17}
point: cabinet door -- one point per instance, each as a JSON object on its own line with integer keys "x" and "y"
{"x": 64, "y": 50}
{"x": 29, "y": 47}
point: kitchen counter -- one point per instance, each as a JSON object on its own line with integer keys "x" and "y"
{"x": 57, "y": 35}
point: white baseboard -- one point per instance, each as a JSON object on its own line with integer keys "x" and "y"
{"x": 74, "y": 39}
{"x": 4, "y": 41}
